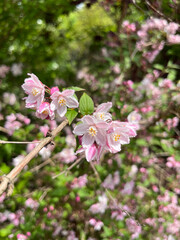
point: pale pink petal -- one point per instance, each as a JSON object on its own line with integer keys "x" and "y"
{"x": 55, "y": 95}
{"x": 80, "y": 129}
{"x": 124, "y": 139}
{"x": 87, "y": 140}
{"x": 104, "y": 107}
{"x": 61, "y": 110}
{"x": 71, "y": 102}
{"x": 53, "y": 105}
{"x": 88, "y": 119}
{"x": 80, "y": 150}
{"x": 67, "y": 93}
{"x": 101, "y": 137}
{"x": 91, "y": 153}
{"x": 102, "y": 125}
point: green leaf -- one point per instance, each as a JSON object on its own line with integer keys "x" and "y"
{"x": 86, "y": 104}
{"x": 77, "y": 89}
{"x": 71, "y": 114}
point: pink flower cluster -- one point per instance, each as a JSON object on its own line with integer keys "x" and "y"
{"x": 15, "y": 121}
{"x": 96, "y": 224}
{"x": 30, "y": 203}
{"x": 45, "y": 109}
{"x": 128, "y": 27}
{"x": 98, "y": 132}
{"x": 133, "y": 227}
{"x": 154, "y": 33}
{"x": 79, "y": 182}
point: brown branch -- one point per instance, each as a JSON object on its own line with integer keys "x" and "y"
{"x": 14, "y": 142}
{"x": 8, "y": 180}
{"x": 2, "y": 129}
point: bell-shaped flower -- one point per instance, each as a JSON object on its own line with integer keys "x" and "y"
{"x": 101, "y": 112}
{"x": 62, "y": 100}
{"x": 92, "y": 130}
{"x": 44, "y": 111}
{"x": 91, "y": 152}
{"x": 35, "y": 90}
{"x": 119, "y": 133}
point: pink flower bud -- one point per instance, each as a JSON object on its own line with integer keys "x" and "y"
{"x": 54, "y": 89}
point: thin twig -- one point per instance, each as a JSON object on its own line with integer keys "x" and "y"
{"x": 70, "y": 167}
{"x": 35, "y": 169}
{"x": 14, "y": 142}
{"x": 8, "y": 180}
{"x": 157, "y": 11}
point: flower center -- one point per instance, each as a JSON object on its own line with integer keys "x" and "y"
{"x": 35, "y": 91}
{"x": 92, "y": 131}
{"x": 116, "y": 137}
{"x": 45, "y": 112}
{"x": 101, "y": 115}
{"x": 62, "y": 101}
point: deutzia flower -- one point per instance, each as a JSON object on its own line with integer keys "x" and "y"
{"x": 92, "y": 130}
{"x": 35, "y": 90}
{"x": 101, "y": 112}
{"x": 62, "y": 100}
{"x": 44, "y": 111}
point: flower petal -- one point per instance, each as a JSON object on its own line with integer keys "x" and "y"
{"x": 61, "y": 110}
{"x": 104, "y": 107}
{"x": 67, "y": 93}
{"x": 80, "y": 129}
{"x": 101, "y": 137}
{"x": 71, "y": 102}
{"x": 87, "y": 140}
{"x": 91, "y": 152}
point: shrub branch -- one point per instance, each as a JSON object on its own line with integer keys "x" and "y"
{"x": 7, "y": 180}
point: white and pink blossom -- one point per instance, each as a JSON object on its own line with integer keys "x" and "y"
{"x": 62, "y": 100}
{"x": 101, "y": 112}
{"x": 44, "y": 111}
{"x": 35, "y": 90}
{"x": 92, "y": 130}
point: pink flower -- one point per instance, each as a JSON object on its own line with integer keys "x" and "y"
{"x": 31, "y": 203}
{"x": 91, "y": 152}
{"x": 35, "y": 90}
{"x": 67, "y": 155}
{"x": 21, "y": 237}
{"x": 133, "y": 227}
{"x": 101, "y": 112}
{"x": 62, "y": 100}
{"x": 92, "y": 130}
{"x": 44, "y": 111}
{"x": 101, "y": 206}
{"x": 134, "y": 118}
{"x": 174, "y": 39}
{"x": 79, "y": 182}
{"x": 117, "y": 134}
{"x": 44, "y": 129}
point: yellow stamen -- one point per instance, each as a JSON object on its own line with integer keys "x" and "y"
{"x": 35, "y": 91}
{"x": 45, "y": 112}
{"x": 62, "y": 101}
{"x": 92, "y": 131}
{"x": 116, "y": 137}
{"x": 101, "y": 115}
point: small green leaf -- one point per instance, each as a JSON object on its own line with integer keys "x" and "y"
{"x": 77, "y": 89}
{"x": 71, "y": 114}
{"x": 86, "y": 104}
